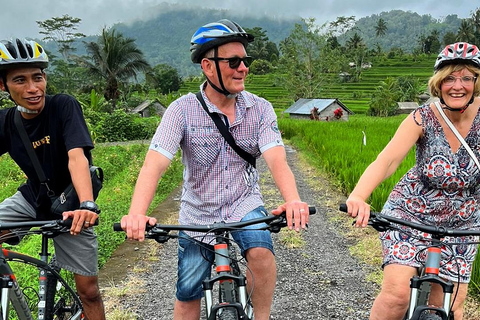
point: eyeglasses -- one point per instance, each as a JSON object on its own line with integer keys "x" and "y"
{"x": 234, "y": 62}
{"x": 465, "y": 80}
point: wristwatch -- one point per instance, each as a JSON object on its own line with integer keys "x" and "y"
{"x": 90, "y": 205}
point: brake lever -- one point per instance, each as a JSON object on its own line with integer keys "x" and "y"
{"x": 278, "y": 223}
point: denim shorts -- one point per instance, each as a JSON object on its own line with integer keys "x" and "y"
{"x": 195, "y": 258}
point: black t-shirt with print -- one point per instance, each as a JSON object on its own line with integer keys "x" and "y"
{"x": 59, "y": 128}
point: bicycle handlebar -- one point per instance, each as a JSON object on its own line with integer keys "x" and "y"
{"x": 274, "y": 224}
{"x": 47, "y": 225}
{"x": 381, "y": 222}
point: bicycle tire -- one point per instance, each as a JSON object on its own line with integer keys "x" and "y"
{"x": 63, "y": 304}
{"x": 227, "y": 294}
{"x": 430, "y": 316}
{"x": 19, "y": 304}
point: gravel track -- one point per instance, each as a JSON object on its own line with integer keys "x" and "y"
{"x": 319, "y": 281}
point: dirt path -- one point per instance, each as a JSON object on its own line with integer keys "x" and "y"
{"x": 319, "y": 281}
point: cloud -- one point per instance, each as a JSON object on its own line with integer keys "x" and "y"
{"x": 20, "y": 18}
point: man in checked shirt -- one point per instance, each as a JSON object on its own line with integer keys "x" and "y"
{"x": 219, "y": 185}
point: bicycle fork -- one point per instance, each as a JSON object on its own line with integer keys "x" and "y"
{"x": 419, "y": 298}
{"x": 227, "y": 282}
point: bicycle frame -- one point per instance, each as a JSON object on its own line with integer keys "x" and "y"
{"x": 228, "y": 282}
{"x": 11, "y": 292}
{"x": 418, "y": 306}
{"x": 418, "y": 303}
{"x": 225, "y": 277}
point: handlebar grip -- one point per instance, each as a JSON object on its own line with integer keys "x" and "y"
{"x": 343, "y": 207}
{"x": 117, "y": 226}
{"x": 68, "y": 222}
{"x": 312, "y": 210}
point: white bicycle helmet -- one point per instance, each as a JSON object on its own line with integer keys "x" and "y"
{"x": 458, "y": 52}
{"x": 22, "y": 53}
{"x": 215, "y": 34}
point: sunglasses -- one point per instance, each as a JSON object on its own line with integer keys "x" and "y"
{"x": 235, "y": 62}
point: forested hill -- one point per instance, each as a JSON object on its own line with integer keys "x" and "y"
{"x": 404, "y": 29}
{"x": 165, "y": 37}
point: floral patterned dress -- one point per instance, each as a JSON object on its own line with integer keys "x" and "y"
{"x": 442, "y": 189}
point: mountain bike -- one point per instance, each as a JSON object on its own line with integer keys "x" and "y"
{"x": 53, "y": 298}
{"x": 229, "y": 279}
{"x": 420, "y": 286}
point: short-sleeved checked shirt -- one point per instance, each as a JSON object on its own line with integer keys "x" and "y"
{"x": 218, "y": 184}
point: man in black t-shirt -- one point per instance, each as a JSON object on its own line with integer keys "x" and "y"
{"x": 62, "y": 143}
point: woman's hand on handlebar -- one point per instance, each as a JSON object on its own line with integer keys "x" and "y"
{"x": 134, "y": 225}
{"x": 296, "y": 212}
{"x": 358, "y": 208}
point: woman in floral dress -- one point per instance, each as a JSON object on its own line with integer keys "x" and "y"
{"x": 442, "y": 189}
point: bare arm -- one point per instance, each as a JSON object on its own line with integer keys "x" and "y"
{"x": 152, "y": 170}
{"x": 79, "y": 171}
{"x": 383, "y": 167}
{"x": 282, "y": 175}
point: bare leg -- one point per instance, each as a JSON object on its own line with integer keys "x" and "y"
{"x": 89, "y": 293}
{"x": 261, "y": 262}
{"x": 392, "y": 302}
{"x": 436, "y": 298}
{"x": 189, "y": 310}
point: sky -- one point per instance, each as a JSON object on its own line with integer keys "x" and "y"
{"x": 19, "y": 17}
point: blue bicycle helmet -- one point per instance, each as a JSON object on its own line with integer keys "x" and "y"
{"x": 18, "y": 53}
{"x": 216, "y": 34}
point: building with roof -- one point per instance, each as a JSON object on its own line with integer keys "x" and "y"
{"x": 325, "y": 109}
{"x": 146, "y": 107}
{"x": 406, "y": 107}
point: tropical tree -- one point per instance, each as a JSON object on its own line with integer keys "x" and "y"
{"x": 301, "y": 63}
{"x": 381, "y": 28}
{"x": 384, "y": 99}
{"x": 449, "y": 37}
{"x": 466, "y": 32}
{"x": 431, "y": 43}
{"x": 116, "y": 60}
{"x": 357, "y": 51}
{"x": 341, "y": 25}
{"x": 61, "y": 30}
{"x": 164, "y": 78}
{"x": 475, "y": 21}
{"x": 261, "y": 47}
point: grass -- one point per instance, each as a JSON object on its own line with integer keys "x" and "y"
{"x": 343, "y": 161}
{"x": 121, "y": 165}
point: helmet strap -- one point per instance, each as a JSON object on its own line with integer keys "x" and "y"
{"x": 461, "y": 110}
{"x": 223, "y": 90}
{"x": 25, "y": 110}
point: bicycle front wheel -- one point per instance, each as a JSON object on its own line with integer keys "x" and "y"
{"x": 51, "y": 298}
{"x": 430, "y": 316}
{"x": 14, "y": 305}
{"x": 227, "y": 295}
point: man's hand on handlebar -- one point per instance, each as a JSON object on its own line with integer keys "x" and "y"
{"x": 297, "y": 214}
{"x": 134, "y": 225}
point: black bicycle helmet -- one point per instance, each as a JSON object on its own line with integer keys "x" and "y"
{"x": 458, "y": 52}
{"x": 216, "y": 34}
{"x": 22, "y": 53}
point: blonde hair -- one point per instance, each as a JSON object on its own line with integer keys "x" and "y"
{"x": 435, "y": 82}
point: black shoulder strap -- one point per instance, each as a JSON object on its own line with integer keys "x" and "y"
{"x": 28, "y": 146}
{"x": 225, "y": 133}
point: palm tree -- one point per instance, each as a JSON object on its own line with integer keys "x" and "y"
{"x": 475, "y": 21}
{"x": 115, "y": 59}
{"x": 380, "y": 28}
{"x": 466, "y": 31}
